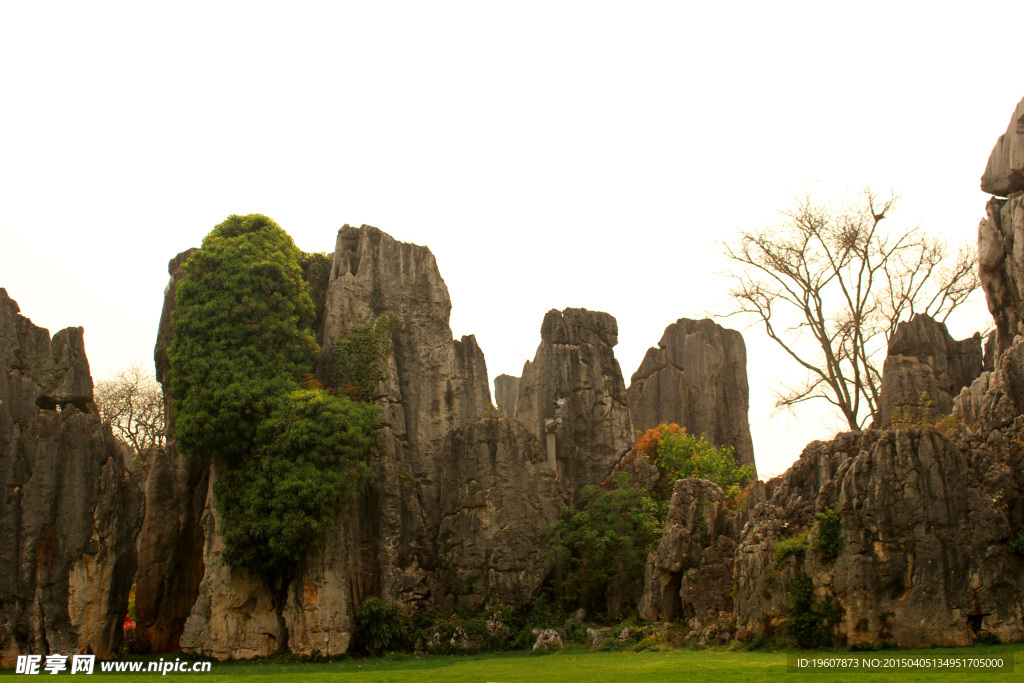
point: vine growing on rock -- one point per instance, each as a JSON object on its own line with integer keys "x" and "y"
{"x": 287, "y": 458}
{"x": 828, "y": 540}
{"x": 810, "y": 622}
{"x": 360, "y": 357}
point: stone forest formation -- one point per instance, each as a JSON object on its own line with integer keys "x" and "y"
{"x": 910, "y": 536}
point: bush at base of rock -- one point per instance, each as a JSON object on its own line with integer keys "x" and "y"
{"x": 380, "y": 627}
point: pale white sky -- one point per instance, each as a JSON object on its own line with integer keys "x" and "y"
{"x": 550, "y": 154}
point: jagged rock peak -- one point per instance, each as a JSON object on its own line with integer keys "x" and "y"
{"x": 926, "y": 363}
{"x": 697, "y": 378}
{"x": 1001, "y": 265}
{"x": 69, "y": 517}
{"x": 576, "y": 364}
{"x": 1004, "y": 173}
{"x": 576, "y": 326}
{"x": 506, "y": 393}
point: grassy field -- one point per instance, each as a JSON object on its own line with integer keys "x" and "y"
{"x": 622, "y": 667}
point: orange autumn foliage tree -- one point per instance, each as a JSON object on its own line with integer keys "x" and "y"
{"x": 647, "y": 445}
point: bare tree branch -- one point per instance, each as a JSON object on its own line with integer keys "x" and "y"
{"x": 132, "y": 403}
{"x": 837, "y": 284}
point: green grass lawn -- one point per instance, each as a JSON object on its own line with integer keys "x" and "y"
{"x": 622, "y": 667}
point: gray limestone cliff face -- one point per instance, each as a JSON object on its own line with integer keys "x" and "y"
{"x": 384, "y": 544}
{"x": 171, "y": 540}
{"x": 924, "y": 557}
{"x": 69, "y": 516}
{"x": 925, "y": 360}
{"x": 575, "y": 362}
{"x": 696, "y": 378}
{"x": 928, "y": 520}
{"x": 498, "y": 497}
{"x": 434, "y": 384}
{"x": 506, "y": 394}
{"x": 1001, "y": 265}
{"x": 1001, "y": 232}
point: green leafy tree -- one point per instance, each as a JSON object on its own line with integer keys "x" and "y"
{"x": 604, "y": 541}
{"x": 243, "y": 335}
{"x": 680, "y": 455}
{"x": 288, "y": 458}
{"x": 307, "y": 463}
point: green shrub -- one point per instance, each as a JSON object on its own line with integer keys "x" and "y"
{"x": 604, "y": 541}
{"x": 809, "y": 624}
{"x": 794, "y": 546}
{"x": 288, "y": 458}
{"x": 307, "y": 463}
{"x": 380, "y": 627}
{"x": 828, "y": 541}
{"x": 243, "y": 336}
{"x": 679, "y": 455}
{"x": 360, "y": 357}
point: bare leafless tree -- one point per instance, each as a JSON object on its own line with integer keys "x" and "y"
{"x": 132, "y": 403}
{"x": 830, "y": 285}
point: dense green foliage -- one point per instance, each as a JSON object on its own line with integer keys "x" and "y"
{"x": 828, "y": 540}
{"x": 360, "y": 357}
{"x": 243, "y": 335}
{"x": 287, "y": 458}
{"x": 604, "y": 541}
{"x": 810, "y": 621}
{"x": 307, "y": 463}
{"x": 380, "y": 627}
{"x": 684, "y": 455}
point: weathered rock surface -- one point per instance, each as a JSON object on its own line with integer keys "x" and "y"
{"x": 575, "y": 362}
{"x": 1001, "y": 265}
{"x": 1004, "y": 173}
{"x": 696, "y": 543}
{"x": 385, "y": 544}
{"x": 506, "y": 393}
{"x": 171, "y": 540}
{"x": 696, "y": 378}
{"x": 924, "y": 557}
{"x": 498, "y": 496}
{"x": 69, "y": 516}
{"x": 925, "y": 360}
{"x": 996, "y": 399}
{"x": 234, "y": 616}
{"x": 434, "y": 384}
{"x": 926, "y": 518}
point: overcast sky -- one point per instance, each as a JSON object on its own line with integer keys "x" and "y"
{"x": 550, "y": 154}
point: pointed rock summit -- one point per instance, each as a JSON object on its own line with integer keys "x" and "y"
{"x": 696, "y": 378}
